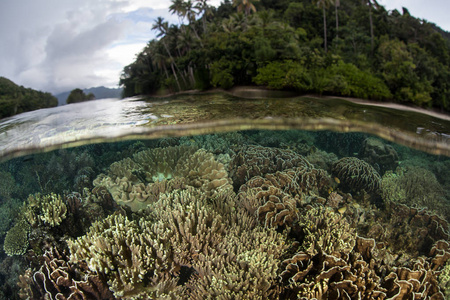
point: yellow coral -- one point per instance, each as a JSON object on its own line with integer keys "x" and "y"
{"x": 53, "y": 210}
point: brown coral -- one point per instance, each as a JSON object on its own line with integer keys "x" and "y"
{"x": 378, "y": 154}
{"x": 356, "y": 174}
{"x": 274, "y": 200}
{"x": 58, "y": 279}
{"x": 257, "y": 161}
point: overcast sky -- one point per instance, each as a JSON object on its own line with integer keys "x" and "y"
{"x": 59, "y": 45}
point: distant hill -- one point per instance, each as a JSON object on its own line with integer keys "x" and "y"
{"x": 15, "y": 99}
{"x": 100, "y": 92}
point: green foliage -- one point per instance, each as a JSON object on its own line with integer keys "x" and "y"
{"x": 16, "y": 99}
{"x": 348, "y": 80}
{"x": 221, "y": 74}
{"x": 77, "y": 95}
{"x": 372, "y": 53}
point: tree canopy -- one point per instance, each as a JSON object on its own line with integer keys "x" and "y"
{"x": 77, "y": 95}
{"x": 16, "y": 99}
{"x": 349, "y": 47}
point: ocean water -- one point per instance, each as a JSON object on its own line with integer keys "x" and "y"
{"x": 215, "y": 196}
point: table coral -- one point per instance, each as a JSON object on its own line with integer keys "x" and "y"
{"x": 356, "y": 174}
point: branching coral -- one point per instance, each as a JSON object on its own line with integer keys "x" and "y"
{"x": 16, "y": 240}
{"x": 326, "y": 231}
{"x": 138, "y": 181}
{"x": 356, "y": 174}
{"x": 50, "y": 209}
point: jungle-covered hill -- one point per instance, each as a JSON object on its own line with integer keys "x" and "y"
{"x": 349, "y": 47}
{"x": 16, "y": 99}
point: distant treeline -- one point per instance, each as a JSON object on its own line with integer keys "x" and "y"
{"x": 350, "y": 48}
{"x": 16, "y": 99}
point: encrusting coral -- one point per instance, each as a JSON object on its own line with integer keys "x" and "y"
{"x": 138, "y": 181}
{"x": 356, "y": 174}
{"x": 16, "y": 239}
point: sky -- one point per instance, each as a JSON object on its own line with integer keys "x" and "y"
{"x": 58, "y": 45}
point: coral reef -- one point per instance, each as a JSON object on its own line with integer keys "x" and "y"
{"x": 322, "y": 160}
{"x": 274, "y": 200}
{"x": 58, "y": 279}
{"x": 417, "y": 187}
{"x": 357, "y": 175}
{"x": 53, "y": 210}
{"x": 253, "y": 161}
{"x": 49, "y": 209}
{"x": 325, "y": 231}
{"x": 7, "y": 185}
{"x": 137, "y": 182}
{"x": 16, "y": 239}
{"x": 381, "y": 156}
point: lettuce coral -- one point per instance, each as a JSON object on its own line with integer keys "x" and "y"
{"x": 138, "y": 181}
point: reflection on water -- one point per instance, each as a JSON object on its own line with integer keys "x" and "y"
{"x": 239, "y": 213}
{"x": 110, "y": 119}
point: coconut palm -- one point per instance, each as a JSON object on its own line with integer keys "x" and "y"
{"x": 324, "y": 4}
{"x": 178, "y": 7}
{"x": 245, "y": 5}
{"x": 163, "y": 28}
{"x": 337, "y": 3}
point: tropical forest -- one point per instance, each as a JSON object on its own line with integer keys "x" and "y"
{"x": 349, "y": 48}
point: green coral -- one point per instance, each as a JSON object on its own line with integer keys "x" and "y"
{"x": 415, "y": 186}
{"x": 16, "y": 240}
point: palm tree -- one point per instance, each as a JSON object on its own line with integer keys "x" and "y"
{"x": 369, "y": 2}
{"x": 178, "y": 7}
{"x": 245, "y": 5}
{"x": 203, "y": 7}
{"x": 337, "y": 3}
{"x": 163, "y": 28}
{"x": 324, "y": 4}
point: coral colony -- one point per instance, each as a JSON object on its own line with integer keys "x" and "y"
{"x": 227, "y": 216}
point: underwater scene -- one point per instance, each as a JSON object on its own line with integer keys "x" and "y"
{"x": 254, "y": 214}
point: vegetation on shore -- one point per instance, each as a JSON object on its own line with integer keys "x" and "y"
{"x": 77, "y": 95}
{"x": 350, "y": 48}
{"x": 16, "y": 99}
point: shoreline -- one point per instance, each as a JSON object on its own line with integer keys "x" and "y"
{"x": 260, "y": 92}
